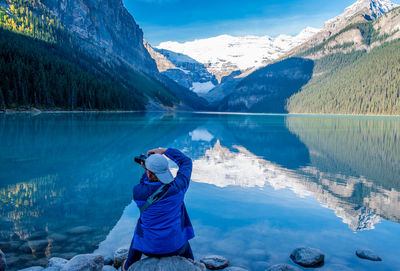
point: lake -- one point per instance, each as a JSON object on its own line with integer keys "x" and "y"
{"x": 262, "y": 185}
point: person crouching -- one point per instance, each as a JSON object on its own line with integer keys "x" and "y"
{"x": 163, "y": 228}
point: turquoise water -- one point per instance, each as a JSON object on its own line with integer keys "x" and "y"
{"x": 262, "y": 185}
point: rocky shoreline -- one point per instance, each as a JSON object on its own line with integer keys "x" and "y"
{"x": 301, "y": 256}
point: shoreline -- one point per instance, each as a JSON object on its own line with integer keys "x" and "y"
{"x": 38, "y": 112}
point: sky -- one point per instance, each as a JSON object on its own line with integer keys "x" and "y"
{"x": 187, "y": 20}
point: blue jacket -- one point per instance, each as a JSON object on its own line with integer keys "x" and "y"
{"x": 165, "y": 226}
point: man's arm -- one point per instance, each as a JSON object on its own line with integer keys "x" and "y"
{"x": 184, "y": 163}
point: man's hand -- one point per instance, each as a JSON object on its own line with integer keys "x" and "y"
{"x": 159, "y": 151}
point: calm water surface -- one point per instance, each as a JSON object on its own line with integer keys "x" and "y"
{"x": 261, "y": 185}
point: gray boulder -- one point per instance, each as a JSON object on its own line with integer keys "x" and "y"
{"x": 283, "y": 267}
{"x": 84, "y": 262}
{"x": 56, "y": 263}
{"x": 174, "y": 263}
{"x": 368, "y": 254}
{"x": 33, "y": 268}
{"x": 120, "y": 255}
{"x": 3, "y": 264}
{"x": 109, "y": 268}
{"x": 308, "y": 257}
{"x": 215, "y": 262}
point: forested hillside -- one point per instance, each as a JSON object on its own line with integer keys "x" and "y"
{"x": 353, "y": 83}
{"x": 267, "y": 89}
{"x": 42, "y": 66}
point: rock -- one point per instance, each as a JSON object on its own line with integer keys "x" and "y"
{"x": 33, "y": 246}
{"x": 56, "y": 263}
{"x": 35, "y": 111}
{"x": 57, "y": 237}
{"x": 3, "y": 263}
{"x": 120, "y": 255}
{"x": 33, "y": 268}
{"x": 368, "y": 254}
{"x": 174, "y": 263}
{"x": 5, "y": 245}
{"x": 14, "y": 245}
{"x": 283, "y": 267}
{"x": 308, "y": 257}
{"x": 109, "y": 268}
{"x": 53, "y": 268}
{"x": 108, "y": 260}
{"x": 66, "y": 255}
{"x": 25, "y": 248}
{"x": 215, "y": 262}
{"x": 84, "y": 262}
{"x": 38, "y": 235}
{"x": 38, "y": 245}
{"x": 235, "y": 268}
{"x": 80, "y": 230}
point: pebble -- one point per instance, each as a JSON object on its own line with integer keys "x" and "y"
{"x": 368, "y": 254}
{"x": 215, "y": 262}
{"x": 308, "y": 257}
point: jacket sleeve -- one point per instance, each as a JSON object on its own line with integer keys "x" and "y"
{"x": 184, "y": 163}
{"x": 136, "y": 187}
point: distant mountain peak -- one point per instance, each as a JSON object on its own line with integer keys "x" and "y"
{"x": 224, "y": 54}
{"x": 373, "y": 8}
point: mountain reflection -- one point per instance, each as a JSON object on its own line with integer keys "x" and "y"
{"x": 223, "y": 167}
{"x": 352, "y": 146}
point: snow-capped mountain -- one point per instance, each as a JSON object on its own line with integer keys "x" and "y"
{"x": 360, "y": 12}
{"x": 224, "y": 54}
{"x": 374, "y": 8}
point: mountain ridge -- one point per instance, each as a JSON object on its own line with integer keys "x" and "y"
{"x": 224, "y": 54}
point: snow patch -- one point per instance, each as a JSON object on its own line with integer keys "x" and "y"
{"x": 201, "y": 135}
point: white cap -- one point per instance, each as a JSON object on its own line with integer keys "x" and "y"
{"x": 158, "y": 164}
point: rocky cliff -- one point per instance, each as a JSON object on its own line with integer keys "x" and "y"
{"x": 163, "y": 64}
{"x": 106, "y": 29}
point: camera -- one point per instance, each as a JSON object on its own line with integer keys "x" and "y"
{"x": 141, "y": 158}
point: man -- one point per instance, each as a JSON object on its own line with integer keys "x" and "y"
{"x": 164, "y": 227}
